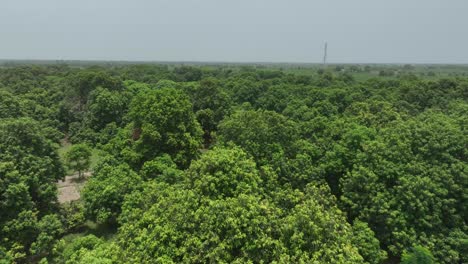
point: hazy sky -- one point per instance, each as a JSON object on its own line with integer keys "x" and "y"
{"x": 392, "y": 31}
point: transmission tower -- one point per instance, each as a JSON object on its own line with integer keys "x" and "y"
{"x": 325, "y": 55}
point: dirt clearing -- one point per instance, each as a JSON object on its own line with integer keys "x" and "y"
{"x": 69, "y": 189}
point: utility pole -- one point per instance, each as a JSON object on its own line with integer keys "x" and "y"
{"x": 325, "y": 55}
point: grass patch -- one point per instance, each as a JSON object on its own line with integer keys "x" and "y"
{"x": 64, "y": 148}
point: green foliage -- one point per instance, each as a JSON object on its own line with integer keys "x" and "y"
{"x": 239, "y": 229}
{"x": 104, "y": 192}
{"x": 210, "y": 104}
{"x": 72, "y": 215}
{"x": 5, "y": 256}
{"x": 164, "y": 212}
{"x": 87, "y": 242}
{"x": 85, "y": 249}
{"x": 106, "y": 106}
{"x": 162, "y": 122}
{"x": 406, "y": 183}
{"x": 79, "y": 158}
{"x": 180, "y": 227}
{"x": 312, "y": 234}
{"x": 161, "y": 169}
{"x": 187, "y": 73}
{"x": 292, "y": 155}
{"x": 222, "y": 173}
{"x": 84, "y": 82}
{"x": 49, "y": 228}
{"x": 10, "y": 106}
{"x": 366, "y": 242}
{"x": 29, "y": 168}
{"x": 266, "y": 135}
{"x": 219, "y": 216}
{"x": 417, "y": 255}
{"x": 245, "y": 90}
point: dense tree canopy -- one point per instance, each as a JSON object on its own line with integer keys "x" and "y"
{"x": 219, "y": 216}
{"x": 234, "y": 163}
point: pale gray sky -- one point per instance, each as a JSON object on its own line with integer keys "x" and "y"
{"x": 386, "y": 31}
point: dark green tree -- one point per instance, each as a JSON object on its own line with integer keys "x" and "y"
{"x": 265, "y": 135}
{"x": 106, "y": 106}
{"x": 83, "y": 83}
{"x": 210, "y": 104}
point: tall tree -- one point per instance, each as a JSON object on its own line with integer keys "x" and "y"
{"x": 79, "y": 158}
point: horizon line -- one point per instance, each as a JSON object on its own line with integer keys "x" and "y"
{"x": 227, "y": 62}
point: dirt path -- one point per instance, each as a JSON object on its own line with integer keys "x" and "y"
{"x": 69, "y": 189}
